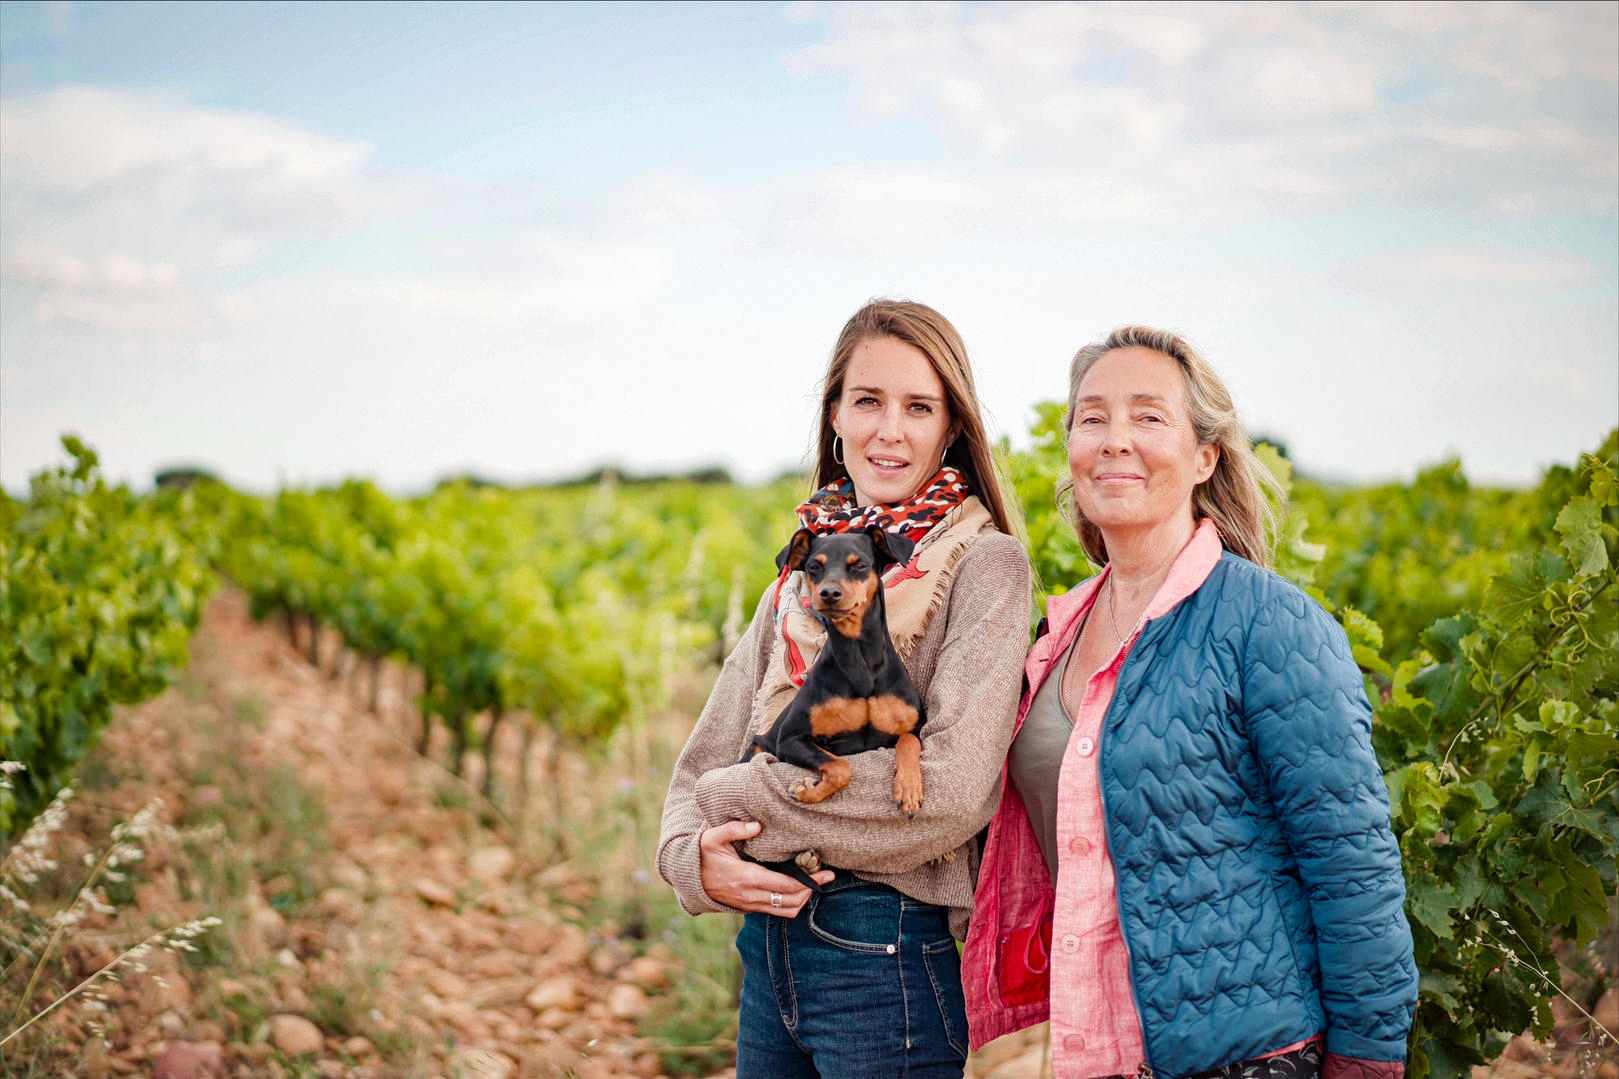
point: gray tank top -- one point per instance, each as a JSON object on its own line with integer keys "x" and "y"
{"x": 1036, "y": 758}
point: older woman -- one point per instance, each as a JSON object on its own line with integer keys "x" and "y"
{"x": 1191, "y": 871}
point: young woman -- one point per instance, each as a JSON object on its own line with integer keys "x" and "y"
{"x": 863, "y": 978}
{"x": 1192, "y": 870}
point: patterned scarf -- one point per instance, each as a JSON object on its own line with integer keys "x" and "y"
{"x": 833, "y": 509}
{"x": 942, "y": 519}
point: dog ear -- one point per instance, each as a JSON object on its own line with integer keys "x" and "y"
{"x": 893, "y": 548}
{"x": 792, "y": 556}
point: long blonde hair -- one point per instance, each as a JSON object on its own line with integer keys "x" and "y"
{"x": 929, "y": 332}
{"x": 1235, "y": 494}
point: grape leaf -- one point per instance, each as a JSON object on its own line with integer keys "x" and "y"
{"x": 1580, "y": 525}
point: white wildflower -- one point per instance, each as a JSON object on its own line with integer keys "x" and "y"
{"x": 9, "y": 769}
{"x": 14, "y": 899}
{"x": 141, "y": 824}
{"x": 28, "y": 859}
{"x": 66, "y": 919}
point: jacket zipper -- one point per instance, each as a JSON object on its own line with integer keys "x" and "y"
{"x": 1145, "y": 1071}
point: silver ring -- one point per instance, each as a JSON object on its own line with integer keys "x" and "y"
{"x": 775, "y": 899}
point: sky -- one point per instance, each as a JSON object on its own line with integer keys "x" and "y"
{"x": 293, "y": 243}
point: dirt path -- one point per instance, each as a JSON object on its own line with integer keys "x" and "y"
{"x": 417, "y": 941}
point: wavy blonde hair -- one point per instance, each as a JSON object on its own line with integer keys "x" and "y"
{"x": 1235, "y": 495}
{"x": 930, "y": 333}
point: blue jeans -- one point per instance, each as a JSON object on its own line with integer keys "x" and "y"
{"x": 864, "y": 984}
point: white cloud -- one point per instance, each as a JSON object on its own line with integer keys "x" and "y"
{"x": 113, "y": 292}
{"x": 119, "y": 205}
{"x": 1009, "y": 79}
{"x": 1524, "y": 46}
{"x": 180, "y": 192}
{"x": 1210, "y": 110}
{"x": 155, "y": 175}
{"x": 39, "y": 264}
{"x": 1420, "y": 273}
{"x": 172, "y": 313}
{"x": 582, "y": 284}
{"x": 75, "y": 138}
{"x": 862, "y": 211}
{"x": 1291, "y": 83}
{"x": 235, "y": 307}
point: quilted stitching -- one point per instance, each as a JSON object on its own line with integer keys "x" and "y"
{"x": 1206, "y": 748}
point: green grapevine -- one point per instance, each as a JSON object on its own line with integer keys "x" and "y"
{"x": 98, "y": 596}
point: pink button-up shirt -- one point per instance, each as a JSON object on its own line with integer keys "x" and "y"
{"x": 1095, "y": 1029}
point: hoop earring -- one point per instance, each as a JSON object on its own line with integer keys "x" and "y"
{"x": 836, "y": 446}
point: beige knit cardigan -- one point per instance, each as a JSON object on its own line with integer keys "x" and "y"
{"x": 968, "y": 667}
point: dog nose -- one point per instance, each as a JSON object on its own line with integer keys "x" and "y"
{"x": 831, "y": 593}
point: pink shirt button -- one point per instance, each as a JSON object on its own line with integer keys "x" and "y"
{"x": 1079, "y": 845}
{"x": 1073, "y": 1043}
{"x": 1086, "y": 747}
{"x": 1070, "y": 943}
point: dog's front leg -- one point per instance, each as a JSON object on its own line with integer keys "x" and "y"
{"x": 833, "y": 776}
{"x": 908, "y": 774}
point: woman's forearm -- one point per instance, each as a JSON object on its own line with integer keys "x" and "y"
{"x": 714, "y": 743}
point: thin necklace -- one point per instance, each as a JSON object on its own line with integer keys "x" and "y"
{"x": 1116, "y": 635}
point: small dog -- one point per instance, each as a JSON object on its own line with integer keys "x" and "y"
{"x": 857, "y": 695}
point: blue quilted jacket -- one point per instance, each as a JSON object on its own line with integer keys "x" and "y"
{"x": 1245, "y": 809}
{"x": 1259, "y": 882}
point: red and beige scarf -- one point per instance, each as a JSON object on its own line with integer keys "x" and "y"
{"x": 941, "y": 519}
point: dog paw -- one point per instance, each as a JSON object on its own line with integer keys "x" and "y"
{"x": 800, "y": 788}
{"x": 809, "y": 861}
{"x": 908, "y": 795}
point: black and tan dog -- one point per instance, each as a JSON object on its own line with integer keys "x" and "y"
{"x": 857, "y": 695}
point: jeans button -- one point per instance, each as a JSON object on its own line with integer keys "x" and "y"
{"x": 892, "y": 949}
{"x": 1070, "y": 943}
{"x": 1073, "y": 1043}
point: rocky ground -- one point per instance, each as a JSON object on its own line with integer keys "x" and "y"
{"x": 378, "y": 920}
{"x": 397, "y": 935}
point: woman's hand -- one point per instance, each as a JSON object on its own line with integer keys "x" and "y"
{"x": 745, "y": 885}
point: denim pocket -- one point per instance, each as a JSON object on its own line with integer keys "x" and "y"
{"x": 860, "y": 919}
{"x": 943, "y": 961}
